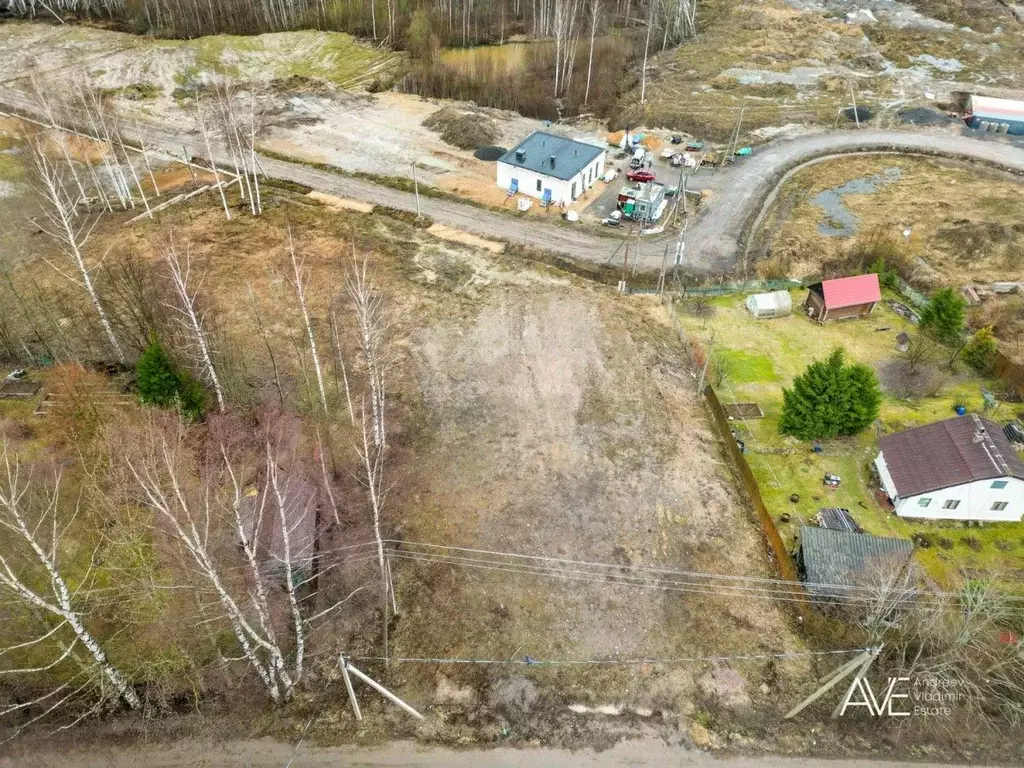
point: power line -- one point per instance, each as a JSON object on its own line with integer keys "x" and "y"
{"x": 529, "y": 661}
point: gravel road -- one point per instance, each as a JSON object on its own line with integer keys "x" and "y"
{"x": 265, "y": 753}
{"x": 713, "y": 243}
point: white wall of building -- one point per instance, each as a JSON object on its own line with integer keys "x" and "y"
{"x": 533, "y": 184}
{"x": 973, "y": 501}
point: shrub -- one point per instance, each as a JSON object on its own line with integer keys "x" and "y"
{"x": 980, "y": 352}
{"x": 830, "y": 399}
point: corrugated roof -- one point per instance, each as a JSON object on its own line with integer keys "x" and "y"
{"x": 838, "y": 519}
{"x": 945, "y": 454}
{"x": 998, "y": 109}
{"x": 538, "y": 148}
{"x": 838, "y": 557}
{"x": 850, "y": 291}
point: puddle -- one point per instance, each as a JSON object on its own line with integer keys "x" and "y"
{"x": 840, "y": 221}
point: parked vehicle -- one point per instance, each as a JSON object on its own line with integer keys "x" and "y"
{"x": 677, "y": 139}
{"x": 711, "y": 159}
{"x": 613, "y": 219}
{"x": 695, "y": 146}
{"x": 639, "y": 158}
{"x": 641, "y": 175}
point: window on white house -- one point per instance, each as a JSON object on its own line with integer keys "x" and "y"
{"x": 572, "y": 194}
{"x": 538, "y": 185}
{"x": 999, "y": 506}
{"x": 951, "y": 504}
{"x": 999, "y": 483}
{"x": 924, "y": 502}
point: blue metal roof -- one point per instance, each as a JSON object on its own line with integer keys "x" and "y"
{"x": 538, "y": 149}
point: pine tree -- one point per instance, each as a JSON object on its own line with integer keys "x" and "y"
{"x": 943, "y": 318}
{"x": 830, "y": 399}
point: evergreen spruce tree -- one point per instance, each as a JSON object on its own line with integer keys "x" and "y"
{"x": 159, "y": 384}
{"x": 157, "y": 381}
{"x": 943, "y": 318}
{"x": 830, "y": 399}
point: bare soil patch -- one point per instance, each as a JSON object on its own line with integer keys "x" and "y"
{"x": 557, "y": 426}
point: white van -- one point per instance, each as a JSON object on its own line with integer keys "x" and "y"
{"x": 639, "y": 158}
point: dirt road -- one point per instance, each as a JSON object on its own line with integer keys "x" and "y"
{"x": 265, "y": 753}
{"x": 713, "y": 243}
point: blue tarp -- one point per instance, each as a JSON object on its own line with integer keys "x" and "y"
{"x": 546, "y": 200}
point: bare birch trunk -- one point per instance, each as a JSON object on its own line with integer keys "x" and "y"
{"x": 59, "y": 603}
{"x": 70, "y": 231}
{"x": 192, "y": 316}
{"x": 300, "y": 293}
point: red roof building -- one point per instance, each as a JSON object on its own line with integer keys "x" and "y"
{"x": 844, "y": 297}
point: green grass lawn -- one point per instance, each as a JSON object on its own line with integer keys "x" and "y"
{"x": 760, "y": 357}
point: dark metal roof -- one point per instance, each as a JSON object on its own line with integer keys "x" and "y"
{"x": 838, "y": 557}
{"x": 838, "y": 519}
{"x": 948, "y": 453}
{"x": 538, "y": 148}
{"x": 261, "y": 520}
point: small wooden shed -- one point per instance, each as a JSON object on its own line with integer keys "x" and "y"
{"x": 842, "y": 298}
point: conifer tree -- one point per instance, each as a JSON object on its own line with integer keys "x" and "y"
{"x": 830, "y": 399}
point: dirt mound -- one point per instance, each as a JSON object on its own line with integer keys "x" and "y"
{"x": 489, "y": 154}
{"x": 465, "y": 130}
{"x": 301, "y": 84}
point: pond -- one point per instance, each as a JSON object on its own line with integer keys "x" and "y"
{"x": 839, "y": 220}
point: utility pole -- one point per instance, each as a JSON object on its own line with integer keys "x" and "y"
{"x": 853, "y": 98}
{"x": 661, "y": 277}
{"x": 416, "y": 187}
{"x": 736, "y": 133}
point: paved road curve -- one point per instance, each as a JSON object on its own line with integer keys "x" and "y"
{"x": 713, "y": 243}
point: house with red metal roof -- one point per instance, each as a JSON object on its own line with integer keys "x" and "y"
{"x": 959, "y": 469}
{"x": 843, "y": 297}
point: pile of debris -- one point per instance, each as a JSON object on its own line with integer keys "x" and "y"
{"x": 465, "y": 130}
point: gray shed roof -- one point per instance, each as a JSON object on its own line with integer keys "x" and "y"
{"x": 538, "y": 149}
{"x": 837, "y": 557}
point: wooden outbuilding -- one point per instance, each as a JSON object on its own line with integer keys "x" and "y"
{"x": 842, "y": 298}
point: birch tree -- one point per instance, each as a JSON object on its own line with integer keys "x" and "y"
{"x": 196, "y": 517}
{"x": 70, "y": 230}
{"x": 300, "y": 282}
{"x": 376, "y": 343}
{"x": 193, "y": 318}
{"x": 594, "y": 10}
{"x": 35, "y": 578}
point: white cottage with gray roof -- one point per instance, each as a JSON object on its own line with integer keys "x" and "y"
{"x": 551, "y": 168}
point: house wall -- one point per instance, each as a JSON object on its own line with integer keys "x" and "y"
{"x": 887, "y": 484}
{"x": 814, "y": 302}
{"x": 976, "y": 500}
{"x": 997, "y": 124}
{"x": 857, "y": 310}
{"x": 561, "y": 191}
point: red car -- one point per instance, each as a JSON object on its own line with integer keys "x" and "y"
{"x": 640, "y": 175}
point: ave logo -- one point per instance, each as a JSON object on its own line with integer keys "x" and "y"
{"x": 861, "y": 694}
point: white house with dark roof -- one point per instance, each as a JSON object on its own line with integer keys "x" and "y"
{"x": 959, "y": 469}
{"x": 550, "y": 167}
